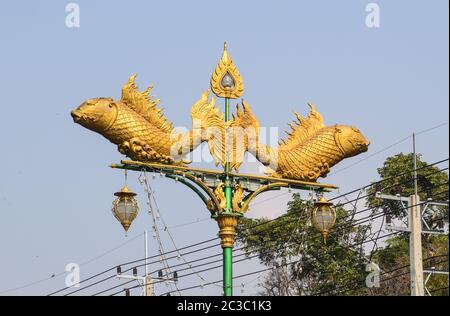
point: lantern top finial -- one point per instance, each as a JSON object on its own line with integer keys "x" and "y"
{"x": 125, "y": 191}
{"x": 323, "y": 201}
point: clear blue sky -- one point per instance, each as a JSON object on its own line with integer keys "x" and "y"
{"x": 55, "y": 184}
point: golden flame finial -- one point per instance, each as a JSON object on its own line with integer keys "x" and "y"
{"x": 226, "y": 82}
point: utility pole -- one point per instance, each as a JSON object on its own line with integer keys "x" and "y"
{"x": 415, "y": 247}
{"x": 416, "y": 219}
{"x": 415, "y": 165}
{"x": 415, "y": 237}
{"x": 146, "y": 263}
{"x": 145, "y": 281}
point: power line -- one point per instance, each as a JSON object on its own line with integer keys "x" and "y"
{"x": 256, "y": 272}
{"x": 440, "y": 289}
{"x": 135, "y": 261}
{"x": 400, "y": 268}
{"x": 177, "y": 250}
{"x": 129, "y": 269}
{"x": 293, "y": 213}
{"x": 215, "y": 261}
{"x": 350, "y": 285}
{"x": 114, "y": 287}
{"x": 391, "y": 186}
{"x": 288, "y": 234}
{"x": 218, "y": 266}
{"x": 200, "y": 220}
{"x": 389, "y": 147}
{"x": 31, "y": 284}
{"x": 366, "y": 186}
{"x": 196, "y": 260}
{"x": 150, "y": 195}
{"x": 246, "y": 274}
{"x": 150, "y": 192}
{"x": 371, "y": 240}
{"x": 64, "y": 272}
{"x": 335, "y": 230}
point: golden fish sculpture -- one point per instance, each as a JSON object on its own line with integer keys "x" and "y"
{"x": 141, "y": 131}
{"x": 309, "y": 152}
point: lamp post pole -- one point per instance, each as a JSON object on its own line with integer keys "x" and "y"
{"x": 228, "y": 250}
{"x": 226, "y": 82}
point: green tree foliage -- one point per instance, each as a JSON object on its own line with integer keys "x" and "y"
{"x": 292, "y": 238}
{"x": 397, "y": 178}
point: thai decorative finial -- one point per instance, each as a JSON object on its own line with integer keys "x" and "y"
{"x": 226, "y": 82}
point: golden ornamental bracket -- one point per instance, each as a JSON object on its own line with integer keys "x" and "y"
{"x": 216, "y": 202}
{"x": 241, "y": 201}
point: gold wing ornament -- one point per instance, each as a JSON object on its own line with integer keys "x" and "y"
{"x": 208, "y": 119}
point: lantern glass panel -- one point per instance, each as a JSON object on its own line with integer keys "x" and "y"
{"x": 125, "y": 208}
{"x": 324, "y": 218}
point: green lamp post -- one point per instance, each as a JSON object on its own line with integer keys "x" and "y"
{"x": 225, "y": 193}
{"x": 140, "y": 130}
{"x": 226, "y": 82}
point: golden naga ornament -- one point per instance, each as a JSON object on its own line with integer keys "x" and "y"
{"x": 308, "y": 153}
{"x": 226, "y": 82}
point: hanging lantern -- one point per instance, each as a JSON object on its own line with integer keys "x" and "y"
{"x": 125, "y": 207}
{"x": 323, "y": 217}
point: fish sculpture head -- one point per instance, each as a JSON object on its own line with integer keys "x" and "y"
{"x": 96, "y": 114}
{"x": 350, "y": 140}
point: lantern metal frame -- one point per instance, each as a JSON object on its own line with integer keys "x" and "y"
{"x": 319, "y": 205}
{"x": 128, "y": 196}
